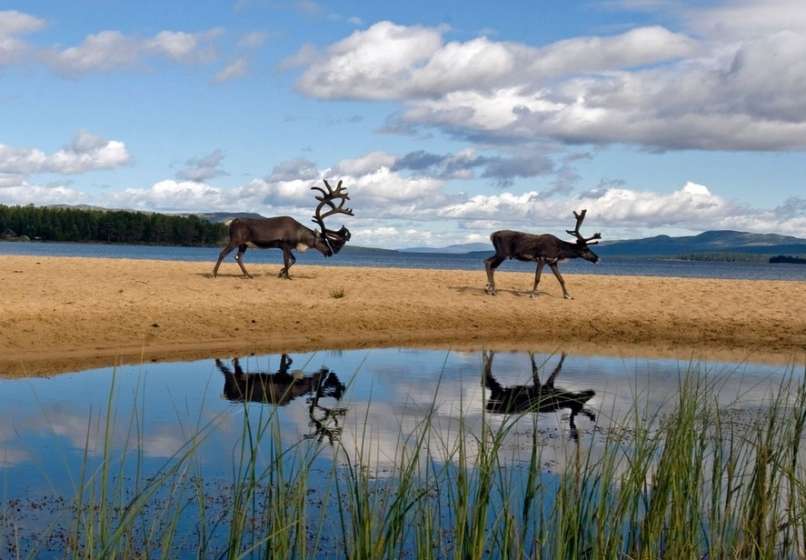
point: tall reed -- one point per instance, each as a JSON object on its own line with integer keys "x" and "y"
{"x": 690, "y": 480}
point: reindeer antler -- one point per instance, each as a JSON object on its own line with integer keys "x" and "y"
{"x": 580, "y": 217}
{"x": 327, "y": 198}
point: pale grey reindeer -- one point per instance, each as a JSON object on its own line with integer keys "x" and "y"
{"x": 287, "y": 234}
{"x": 543, "y": 249}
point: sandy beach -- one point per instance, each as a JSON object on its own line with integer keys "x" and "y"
{"x": 62, "y": 314}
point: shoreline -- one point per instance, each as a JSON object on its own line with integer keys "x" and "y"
{"x": 61, "y": 314}
{"x": 623, "y": 265}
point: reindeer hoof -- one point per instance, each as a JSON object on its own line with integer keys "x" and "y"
{"x": 533, "y": 295}
{"x": 568, "y": 296}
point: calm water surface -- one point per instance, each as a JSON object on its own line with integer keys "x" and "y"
{"x": 359, "y": 399}
{"x": 608, "y": 266}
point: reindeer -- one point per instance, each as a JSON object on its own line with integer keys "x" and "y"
{"x": 537, "y": 397}
{"x": 282, "y": 387}
{"x": 284, "y": 232}
{"x": 543, "y": 249}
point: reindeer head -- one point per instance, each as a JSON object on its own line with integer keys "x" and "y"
{"x": 583, "y": 243}
{"x": 330, "y": 385}
{"x": 331, "y": 241}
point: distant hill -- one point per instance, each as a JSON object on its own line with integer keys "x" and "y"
{"x": 715, "y": 243}
{"x": 724, "y": 241}
{"x": 84, "y": 207}
{"x": 221, "y": 217}
{"x": 356, "y": 249}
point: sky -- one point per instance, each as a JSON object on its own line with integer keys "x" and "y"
{"x": 445, "y": 120}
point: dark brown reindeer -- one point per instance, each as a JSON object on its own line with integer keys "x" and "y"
{"x": 278, "y": 388}
{"x": 543, "y": 249}
{"x": 282, "y": 387}
{"x": 537, "y": 397}
{"x": 286, "y": 233}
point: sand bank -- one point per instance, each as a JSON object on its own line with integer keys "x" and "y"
{"x": 62, "y": 314}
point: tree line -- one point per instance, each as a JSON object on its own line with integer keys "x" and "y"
{"x": 109, "y": 226}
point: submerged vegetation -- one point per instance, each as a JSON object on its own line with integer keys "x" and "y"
{"x": 692, "y": 480}
{"x": 108, "y": 226}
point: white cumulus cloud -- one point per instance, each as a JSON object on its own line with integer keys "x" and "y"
{"x": 389, "y": 61}
{"x": 87, "y": 152}
{"x": 22, "y": 193}
{"x": 112, "y": 50}
{"x": 14, "y": 24}
{"x": 735, "y": 81}
{"x": 408, "y": 200}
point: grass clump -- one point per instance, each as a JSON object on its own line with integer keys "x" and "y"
{"x": 690, "y": 481}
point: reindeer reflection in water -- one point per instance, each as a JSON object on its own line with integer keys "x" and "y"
{"x": 283, "y": 386}
{"x": 537, "y": 397}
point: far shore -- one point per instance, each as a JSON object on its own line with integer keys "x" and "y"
{"x": 63, "y": 314}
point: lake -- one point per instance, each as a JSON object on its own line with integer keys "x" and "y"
{"x": 610, "y": 265}
{"x": 280, "y": 441}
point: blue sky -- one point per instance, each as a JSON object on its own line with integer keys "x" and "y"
{"x": 447, "y": 120}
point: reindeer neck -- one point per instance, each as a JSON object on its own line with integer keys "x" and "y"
{"x": 568, "y": 250}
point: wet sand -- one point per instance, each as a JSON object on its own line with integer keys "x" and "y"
{"x": 63, "y": 314}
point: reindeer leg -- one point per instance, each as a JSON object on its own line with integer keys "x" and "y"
{"x": 292, "y": 259}
{"x": 490, "y": 264}
{"x": 239, "y": 258}
{"x": 553, "y": 376}
{"x": 285, "y": 363}
{"x": 284, "y": 271}
{"x": 288, "y": 260}
{"x": 224, "y": 252}
{"x": 490, "y": 382}
{"x": 236, "y": 363}
{"x": 535, "y": 371}
{"x": 556, "y": 270}
{"x": 222, "y": 368}
{"x": 573, "y": 425}
{"x": 576, "y": 410}
{"x": 538, "y": 271}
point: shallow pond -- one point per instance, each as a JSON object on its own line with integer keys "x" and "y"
{"x": 329, "y": 410}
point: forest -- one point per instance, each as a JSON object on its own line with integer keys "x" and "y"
{"x": 107, "y": 226}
